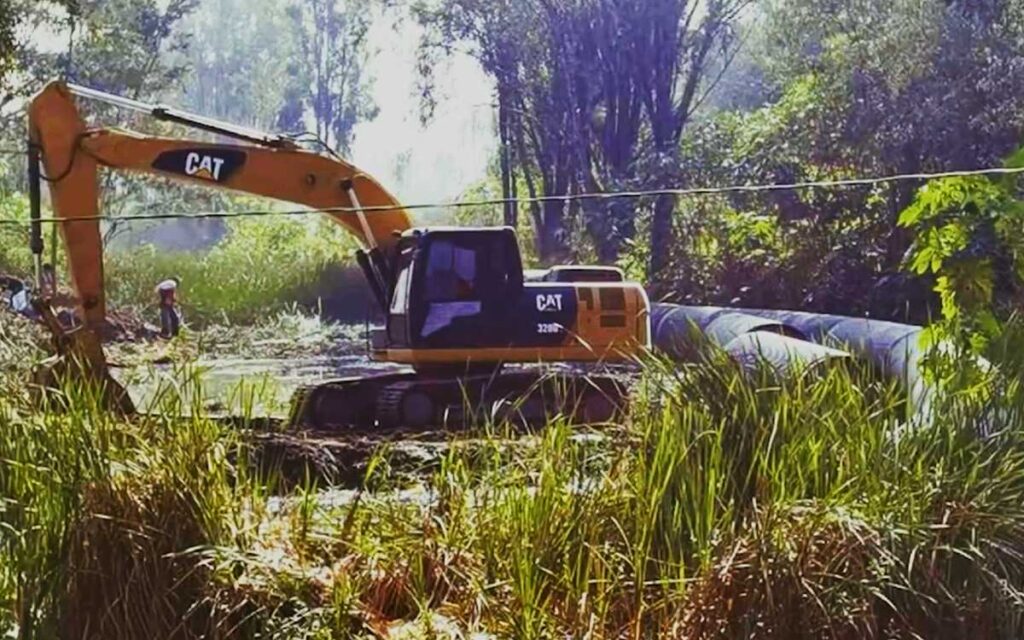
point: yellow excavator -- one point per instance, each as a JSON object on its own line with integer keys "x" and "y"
{"x": 459, "y": 310}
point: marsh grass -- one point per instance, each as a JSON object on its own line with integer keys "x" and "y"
{"x": 259, "y": 268}
{"x": 98, "y": 515}
{"x": 727, "y": 505}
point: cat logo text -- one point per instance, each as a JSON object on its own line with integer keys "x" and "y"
{"x": 211, "y": 164}
{"x": 204, "y": 167}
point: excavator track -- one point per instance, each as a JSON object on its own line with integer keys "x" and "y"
{"x": 422, "y": 400}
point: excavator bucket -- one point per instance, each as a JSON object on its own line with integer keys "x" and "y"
{"x": 78, "y": 360}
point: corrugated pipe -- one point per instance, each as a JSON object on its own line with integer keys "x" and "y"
{"x": 796, "y": 338}
{"x": 751, "y": 340}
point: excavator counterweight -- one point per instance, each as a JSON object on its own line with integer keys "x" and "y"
{"x": 457, "y": 304}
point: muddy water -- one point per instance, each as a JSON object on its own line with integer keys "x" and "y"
{"x": 239, "y": 386}
{"x": 262, "y": 387}
{"x": 282, "y": 377}
{"x": 339, "y": 465}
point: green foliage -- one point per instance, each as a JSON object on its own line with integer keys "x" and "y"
{"x": 852, "y": 89}
{"x": 15, "y": 256}
{"x": 14, "y": 14}
{"x": 262, "y": 266}
{"x": 893, "y": 37}
{"x": 968, "y": 239}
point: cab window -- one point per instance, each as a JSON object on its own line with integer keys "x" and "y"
{"x": 451, "y": 273}
{"x": 401, "y": 297}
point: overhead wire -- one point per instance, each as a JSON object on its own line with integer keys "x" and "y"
{"x": 613, "y": 195}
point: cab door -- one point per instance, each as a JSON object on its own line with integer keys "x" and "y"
{"x": 465, "y": 286}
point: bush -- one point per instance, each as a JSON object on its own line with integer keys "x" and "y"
{"x": 261, "y": 266}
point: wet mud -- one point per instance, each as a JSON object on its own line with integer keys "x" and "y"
{"x": 252, "y": 396}
{"x": 286, "y": 461}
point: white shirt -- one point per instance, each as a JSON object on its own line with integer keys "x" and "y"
{"x": 19, "y": 301}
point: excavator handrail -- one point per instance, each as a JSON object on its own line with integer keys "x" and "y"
{"x": 179, "y": 116}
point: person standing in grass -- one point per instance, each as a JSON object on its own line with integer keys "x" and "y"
{"x": 170, "y": 321}
{"x": 21, "y": 299}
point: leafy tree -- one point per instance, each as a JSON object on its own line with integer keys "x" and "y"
{"x": 13, "y": 15}
{"x": 331, "y": 80}
{"x": 239, "y": 57}
{"x": 585, "y": 90}
{"x": 968, "y": 237}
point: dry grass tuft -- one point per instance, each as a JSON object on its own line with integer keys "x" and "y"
{"x": 788, "y": 577}
{"x": 129, "y": 575}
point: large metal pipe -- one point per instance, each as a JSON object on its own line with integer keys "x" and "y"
{"x": 676, "y": 329}
{"x": 893, "y": 348}
{"x": 785, "y": 355}
{"x": 751, "y": 340}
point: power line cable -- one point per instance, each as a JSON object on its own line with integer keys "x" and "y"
{"x": 678, "y": 192}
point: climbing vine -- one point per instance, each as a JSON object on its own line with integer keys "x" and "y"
{"x": 969, "y": 237}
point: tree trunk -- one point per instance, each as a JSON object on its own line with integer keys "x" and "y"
{"x": 521, "y": 157}
{"x": 662, "y": 243}
{"x": 508, "y": 186}
{"x": 623, "y": 213}
{"x": 903, "y": 193}
{"x": 598, "y": 220}
{"x": 551, "y": 242}
{"x": 604, "y": 223}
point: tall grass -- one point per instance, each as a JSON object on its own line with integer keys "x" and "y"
{"x": 260, "y": 267}
{"x": 725, "y": 506}
{"x": 98, "y": 517}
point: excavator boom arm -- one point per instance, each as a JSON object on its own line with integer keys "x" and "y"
{"x": 72, "y": 154}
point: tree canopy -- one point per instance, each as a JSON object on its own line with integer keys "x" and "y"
{"x": 587, "y": 91}
{"x": 603, "y": 96}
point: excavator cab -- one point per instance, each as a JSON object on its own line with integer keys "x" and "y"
{"x": 454, "y": 288}
{"x": 460, "y": 297}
